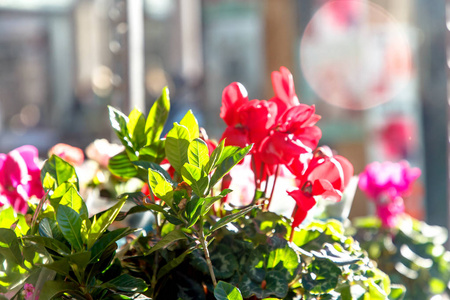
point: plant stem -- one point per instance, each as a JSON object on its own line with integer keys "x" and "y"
{"x": 205, "y": 250}
{"x": 273, "y": 188}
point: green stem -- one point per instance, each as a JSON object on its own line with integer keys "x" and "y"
{"x": 205, "y": 250}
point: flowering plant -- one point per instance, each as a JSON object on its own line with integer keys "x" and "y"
{"x": 199, "y": 247}
{"x": 411, "y": 251}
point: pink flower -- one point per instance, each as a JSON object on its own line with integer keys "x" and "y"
{"x": 19, "y": 177}
{"x": 386, "y": 183}
{"x": 28, "y": 291}
{"x": 387, "y": 179}
{"x": 101, "y": 151}
{"x": 325, "y": 175}
{"x": 72, "y": 155}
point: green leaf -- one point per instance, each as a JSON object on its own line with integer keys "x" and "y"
{"x": 209, "y": 201}
{"x": 226, "y": 291}
{"x": 286, "y": 256}
{"x": 59, "y": 171}
{"x": 229, "y": 162}
{"x": 54, "y": 288}
{"x": 9, "y": 246}
{"x": 155, "y": 167}
{"x": 196, "y": 178}
{"x": 154, "y": 152}
{"x": 119, "y": 123}
{"x": 215, "y": 157}
{"x": 157, "y": 117}
{"x": 230, "y": 218}
{"x": 224, "y": 262}
{"x": 173, "y": 263}
{"x": 121, "y": 166}
{"x": 177, "y": 144}
{"x": 190, "y": 122}
{"x": 375, "y": 291}
{"x": 397, "y": 292}
{"x": 50, "y": 243}
{"x": 73, "y": 200}
{"x": 8, "y": 217}
{"x": 49, "y": 228}
{"x": 198, "y": 153}
{"x": 168, "y": 239}
{"x": 322, "y": 277}
{"x": 193, "y": 209}
{"x": 136, "y": 129}
{"x": 106, "y": 240}
{"x": 69, "y": 221}
{"x": 126, "y": 283}
{"x": 160, "y": 186}
{"x": 102, "y": 223}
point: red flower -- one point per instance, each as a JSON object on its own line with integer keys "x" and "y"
{"x": 233, "y": 97}
{"x": 325, "y": 176}
{"x": 293, "y": 135}
{"x": 283, "y": 86}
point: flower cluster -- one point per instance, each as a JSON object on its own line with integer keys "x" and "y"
{"x": 19, "y": 177}
{"x": 283, "y": 132}
{"x": 386, "y": 184}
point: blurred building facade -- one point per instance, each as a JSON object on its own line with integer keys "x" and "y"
{"x": 374, "y": 69}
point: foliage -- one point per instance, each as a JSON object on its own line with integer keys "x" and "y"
{"x": 198, "y": 248}
{"x": 412, "y": 253}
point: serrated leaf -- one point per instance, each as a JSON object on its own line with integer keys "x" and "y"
{"x": 228, "y": 163}
{"x": 69, "y": 222}
{"x": 226, "y": 291}
{"x": 198, "y": 153}
{"x": 157, "y": 117}
{"x": 60, "y": 171}
{"x": 160, "y": 186}
{"x": 102, "y": 223}
{"x": 168, "y": 239}
{"x": 230, "y": 218}
{"x": 190, "y": 122}
{"x": 196, "y": 178}
{"x": 177, "y": 144}
{"x": 136, "y": 129}
{"x": 121, "y": 166}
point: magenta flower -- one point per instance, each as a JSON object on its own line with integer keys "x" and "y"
{"x": 19, "y": 178}
{"x": 386, "y": 183}
{"x": 387, "y": 179}
{"x": 28, "y": 291}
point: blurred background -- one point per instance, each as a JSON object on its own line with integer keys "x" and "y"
{"x": 376, "y": 71}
